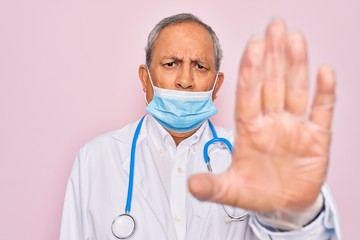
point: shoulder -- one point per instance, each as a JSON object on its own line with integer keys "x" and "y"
{"x": 105, "y": 151}
{"x": 109, "y": 141}
{"x": 123, "y": 135}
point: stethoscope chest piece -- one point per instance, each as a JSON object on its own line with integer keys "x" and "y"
{"x": 123, "y": 226}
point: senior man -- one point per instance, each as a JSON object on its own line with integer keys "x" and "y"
{"x": 272, "y": 185}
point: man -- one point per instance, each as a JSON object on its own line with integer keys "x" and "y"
{"x": 277, "y": 168}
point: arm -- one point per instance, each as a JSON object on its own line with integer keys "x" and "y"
{"x": 281, "y": 151}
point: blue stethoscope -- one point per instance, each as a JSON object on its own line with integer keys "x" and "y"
{"x": 123, "y": 225}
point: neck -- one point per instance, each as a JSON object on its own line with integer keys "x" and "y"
{"x": 179, "y": 137}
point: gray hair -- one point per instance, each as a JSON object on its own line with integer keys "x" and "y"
{"x": 176, "y": 19}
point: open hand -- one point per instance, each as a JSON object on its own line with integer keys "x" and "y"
{"x": 281, "y": 150}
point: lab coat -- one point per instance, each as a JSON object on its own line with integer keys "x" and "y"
{"x": 98, "y": 185}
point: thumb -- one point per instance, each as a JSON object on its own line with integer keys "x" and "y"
{"x": 210, "y": 187}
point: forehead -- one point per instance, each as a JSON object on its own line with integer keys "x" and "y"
{"x": 185, "y": 38}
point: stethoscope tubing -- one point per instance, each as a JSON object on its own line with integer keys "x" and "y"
{"x": 132, "y": 166}
{"x": 214, "y": 140}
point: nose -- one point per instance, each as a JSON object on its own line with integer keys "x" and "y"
{"x": 185, "y": 78}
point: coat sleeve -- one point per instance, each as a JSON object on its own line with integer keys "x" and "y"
{"x": 325, "y": 226}
{"x": 74, "y": 224}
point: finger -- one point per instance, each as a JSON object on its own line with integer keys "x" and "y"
{"x": 228, "y": 188}
{"x": 210, "y": 187}
{"x": 275, "y": 67}
{"x": 323, "y": 104}
{"x": 297, "y": 80}
{"x": 248, "y": 93}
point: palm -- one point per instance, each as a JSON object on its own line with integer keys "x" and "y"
{"x": 280, "y": 152}
{"x": 280, "y": 157}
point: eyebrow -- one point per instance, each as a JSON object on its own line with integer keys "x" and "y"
{"x": 171, "y": 57}
{"x": 176, "y": 58}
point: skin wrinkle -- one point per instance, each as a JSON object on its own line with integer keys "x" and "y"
{"x": 256, "y": 141}
{"x": 325, "y": 107}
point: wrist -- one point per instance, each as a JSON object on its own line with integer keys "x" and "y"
{"x": 290, "y": 220}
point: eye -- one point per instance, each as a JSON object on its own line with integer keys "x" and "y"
{"x": 200, "y": 67}
{"x": 169, "y": 64}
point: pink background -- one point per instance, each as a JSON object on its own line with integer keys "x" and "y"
{"x": 68, "y": 72}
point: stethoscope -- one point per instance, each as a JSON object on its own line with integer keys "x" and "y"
{"x": 124, "y": 225}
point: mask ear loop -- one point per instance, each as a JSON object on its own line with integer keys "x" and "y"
{"x": 151, "y": 82}
{"x": 213, "y": 88}
{"x": 215, "y": 82}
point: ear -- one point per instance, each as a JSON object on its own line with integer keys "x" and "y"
{"x": 144, "y": 77}
{"x": 217, "y": 87}
{"x": 145, "y": 82}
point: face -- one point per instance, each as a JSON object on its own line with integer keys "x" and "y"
{"x": 183, "y": 59}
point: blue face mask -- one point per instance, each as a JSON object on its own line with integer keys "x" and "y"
{"x": 181, "y": 111}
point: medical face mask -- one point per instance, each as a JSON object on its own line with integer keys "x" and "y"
{"x": 181, "y": 111}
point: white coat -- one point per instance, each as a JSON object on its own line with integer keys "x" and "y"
{"x": 98, "y": 185}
